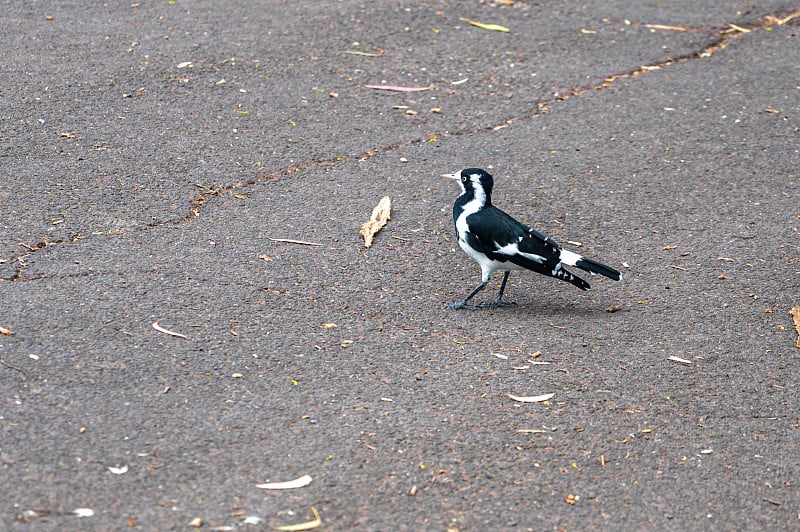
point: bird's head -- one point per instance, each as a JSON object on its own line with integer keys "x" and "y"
{"x": 473, "y": 179}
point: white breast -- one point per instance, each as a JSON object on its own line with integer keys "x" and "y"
{"x": 470, "y": 208}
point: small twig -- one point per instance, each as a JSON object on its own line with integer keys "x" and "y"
{"x": 15, "y": 368}
{"x": 663, "y": 27}
{"x": 208, "y": 190}
{"x": 292, "y": 241}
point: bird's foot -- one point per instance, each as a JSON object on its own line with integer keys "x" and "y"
{"x": 485, "y": 305}
{"x": 497, "y": 303}
{"x": 455, "y": 305}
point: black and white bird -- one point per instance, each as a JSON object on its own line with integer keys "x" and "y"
{"x": 499, "y": 242}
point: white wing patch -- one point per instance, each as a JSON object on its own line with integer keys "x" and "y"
{"x": 513, "y": 249}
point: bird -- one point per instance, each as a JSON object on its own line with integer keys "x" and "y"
{"x": 496, "y": 241}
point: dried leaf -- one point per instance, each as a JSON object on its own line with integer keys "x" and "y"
{"x": 531, "y": 399}
{"x": 304, "y": 526}
{"x": 301, "y": 482}
{"x": 380, "y": 215}
{"x": 366, "y": 54}
{"x": 796, "y": 317}
{"x": 396, "y": 88}
{"x": 161, "y": 329}
{"x": 490, "y": 27}
{"x": 6, "y": 332}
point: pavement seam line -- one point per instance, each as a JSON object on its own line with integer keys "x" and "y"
{"x": 721, "y": 39}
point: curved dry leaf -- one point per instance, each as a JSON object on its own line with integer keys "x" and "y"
{"x": 490, "y": 27}
{"x": 161, "y": 329}
{"x": 301, "y": 482}
{"x": 6, "y": 332}
{"x": 531, "y": 399}
{"x": 304, "y": 526}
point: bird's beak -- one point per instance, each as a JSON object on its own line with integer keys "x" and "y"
{"x": 452, "y": 176}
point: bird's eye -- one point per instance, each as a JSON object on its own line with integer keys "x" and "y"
{"x": 464, "y": 178}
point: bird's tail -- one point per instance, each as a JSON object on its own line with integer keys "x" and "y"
{"x": 592, "y": 266}
{"x": 589, "y": 265}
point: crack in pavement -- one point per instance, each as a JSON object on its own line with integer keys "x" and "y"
{"x": 720, "y": 39}
{"x": 20, "y": 259}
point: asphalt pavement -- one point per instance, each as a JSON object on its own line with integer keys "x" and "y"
{"x": 188, "y": 311}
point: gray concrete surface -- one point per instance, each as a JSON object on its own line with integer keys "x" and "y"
{"x": 150, "y": 149}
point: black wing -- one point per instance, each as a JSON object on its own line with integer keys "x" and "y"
{"x": 494, "y": 230}
{"x": 498, "y": 235}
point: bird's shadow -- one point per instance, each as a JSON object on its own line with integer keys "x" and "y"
{"x": 540, "y": 308}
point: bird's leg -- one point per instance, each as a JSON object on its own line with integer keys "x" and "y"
{"x": 463, "y": 303}
{"x": 498, "y": 302}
